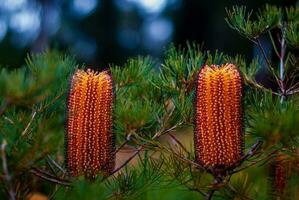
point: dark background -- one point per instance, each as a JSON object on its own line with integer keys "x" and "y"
{"x": 99, "y": 32}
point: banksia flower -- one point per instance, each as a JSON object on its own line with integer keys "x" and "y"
{"x": 218, "y": 137}
{"x": 280, "y": 170}
{"x": 89, "y": 137}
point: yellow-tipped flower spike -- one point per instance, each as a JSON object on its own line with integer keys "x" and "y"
{"x": 218, "y": 137}
{"x": 89, "y": 138}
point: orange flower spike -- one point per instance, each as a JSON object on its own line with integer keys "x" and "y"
{"x": 89, "y": 137}
{"x": 218, "y": 137}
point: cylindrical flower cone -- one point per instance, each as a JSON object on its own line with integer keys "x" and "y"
{"x": 89, "y": 138}
{"x": 218, "y": 137}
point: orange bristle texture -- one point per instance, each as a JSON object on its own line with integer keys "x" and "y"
{"x": 89, "y": 137}
{"x": 218, "y": 137}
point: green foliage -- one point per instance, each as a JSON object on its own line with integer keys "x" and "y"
{"x": 292, "y": 13}
{"x": 137, "y": 107}
{"x": 176, "y": 81}
{"x": 128, "y": 184}
{"x": 292, "y": 34}
{"x": 275, "y": 123}
{"x": 266, "y": 19}
{"x": 138, "y": 181}
{"x": 32, "y": 117}
{"x": 134, "y": 76}
{"x": 83, "y": 189}
{"x": 240, "y": 188}
{"x": 180, "y": 173}
{"x": 178, "y": 72}
{"x": 26, "y": 85}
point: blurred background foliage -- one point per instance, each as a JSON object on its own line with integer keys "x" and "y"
{"x": 99, "y": 32}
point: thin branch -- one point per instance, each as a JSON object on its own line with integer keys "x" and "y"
{"x": 293, "y": 87}
{"x": 4, "y": 106}
{"x": 189, "y": 161}
{"x": 253, "y": 150}
{"x": 178, "y": 142}
{"x": 258, "y": 86}
{"x": 7, "y": 177}
{"x": 51, "y": 196}
{"x": 29, "y": 123}
{"x": 235, "y": 191}
{"x": 163, "y": 131}
{"x": 121, "y": 146}
{"x": 265, "y": 159}
{"x": 48, "y": 174}
{"x": 281, "y": 63}
{"x": 51, "y": 167}
{"x": 293, "y": 92}
{"x": 48, "y": 177}
{"x": 157, "y": 135}
{"x": 210, "y": 193}
{"x": 128, "y": 160}
{"x": 196, "y": 190}
{"x": 172, "y": 128}
{"x": 52, "y": 102}
{"x": 273, "y": 44}
{"x": 56, "y": 164}
{"x": 179, "y": 156}
{"x": 258, "y": 43}
{"x": 9, "y": 120}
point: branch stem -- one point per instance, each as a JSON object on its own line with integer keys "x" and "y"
{"x": 157, "y": 135}
{"x": 48, "y": 177}
{"x": 121, "y": 146}
{"x": 128, "y": 160}
{"x": 281, "y": 64}
{"x": 258, "y": 43}
{"x": 210, "y": 193}
{"x": 29, "y": 123}
{"x": 4, "y": 106}
{"x": 7, "y": 177}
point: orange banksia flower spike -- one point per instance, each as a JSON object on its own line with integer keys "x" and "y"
{"x": 89, "y": 138}
{"x": 218, "y": 137}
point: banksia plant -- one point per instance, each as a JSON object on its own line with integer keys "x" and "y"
{"x": 279, "y": 174}
{"x": 279, "y": 182}
{"x": 218, "y": 137}
{"x": 89, "y": 137}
